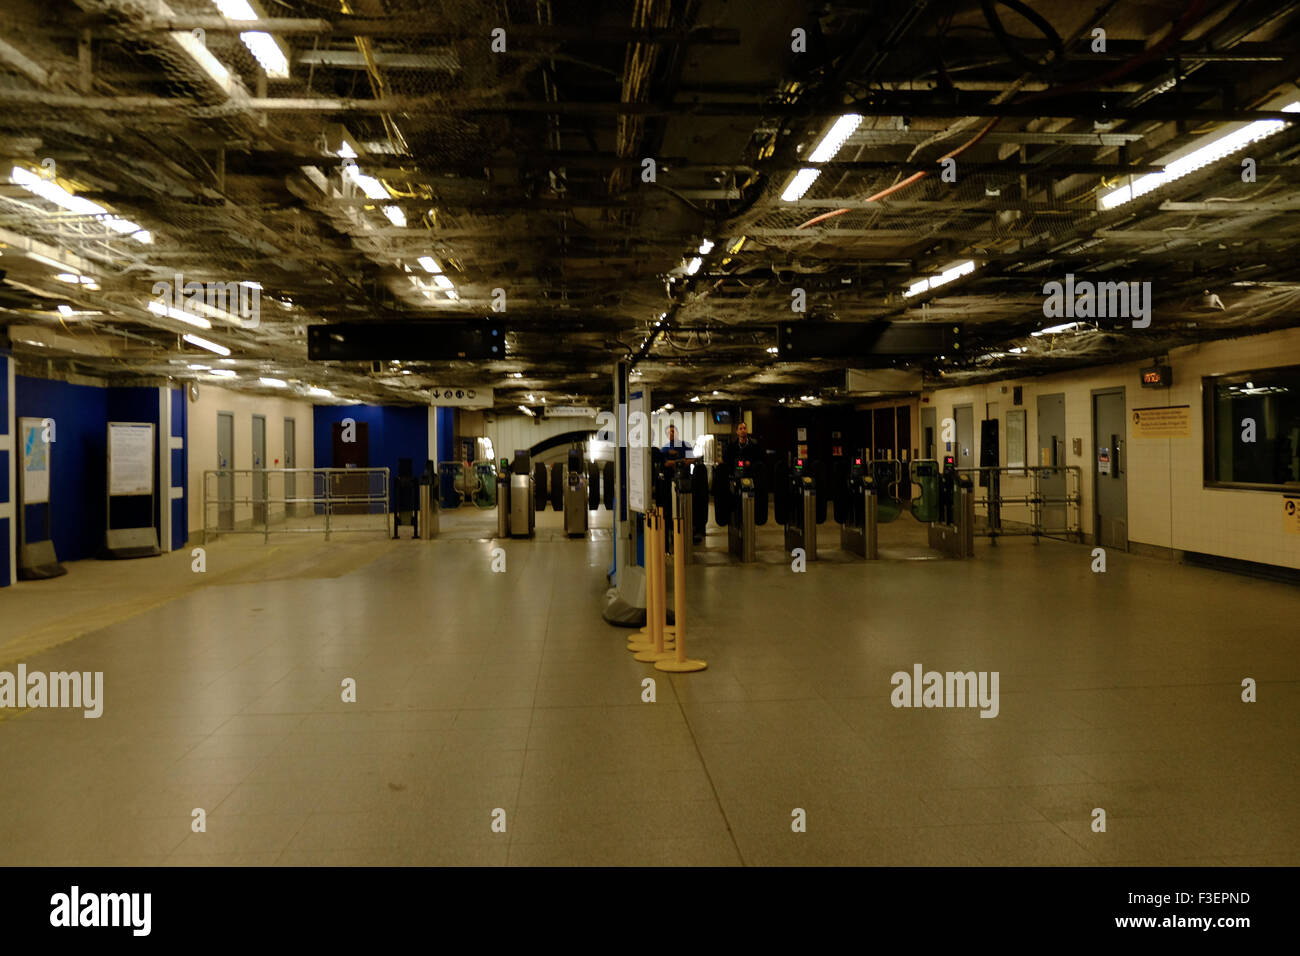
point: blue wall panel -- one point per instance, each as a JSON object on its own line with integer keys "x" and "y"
{"x": 180, "y": 468}
{"x": 77, "y": 459}
{"x": 447, "y": 436}
{"x": 4, "y": 552}
{"x": 395, "y": 432}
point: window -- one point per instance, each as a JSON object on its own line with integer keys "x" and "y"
{"x": 1252, "y": 428}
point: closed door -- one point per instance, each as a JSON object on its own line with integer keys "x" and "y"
{"x": 1110, "y": 468}
{"x": 1051, "y": 454}
{"x": 225, "y": 480}
{"x": 259, "y": 469}
{"x": 350, "y": 448}
{"x": 290, "y": 461}
{"x": 964, "y": 419}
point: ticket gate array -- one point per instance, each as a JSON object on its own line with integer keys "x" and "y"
{"x": 801, "y": 511}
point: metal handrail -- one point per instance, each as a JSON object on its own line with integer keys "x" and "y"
{"x": 325, "y": 504}
{"x": 993, "y": 501}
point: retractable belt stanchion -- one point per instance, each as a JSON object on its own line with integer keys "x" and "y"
{"x": 656, "y": 652}
{"x": 656, "y": 630}
{"x": 644, "y": 638}
{"x": 678, "y": 662}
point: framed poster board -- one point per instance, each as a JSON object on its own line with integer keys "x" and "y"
{"x": 638, "y": 449}
{"x": 130, "y": 458}
{"x": 34, "y": 473}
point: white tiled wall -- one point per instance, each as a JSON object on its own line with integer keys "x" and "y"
{"x": 1168, "y": 505}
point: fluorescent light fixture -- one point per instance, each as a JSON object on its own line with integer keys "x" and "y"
{"x": 205, "y": 344}
{"x": 442, "y": 282}
{"x": 693, "y": 267}
{"x": 805, "y": 398}
{"x": 527, "y": 411}
{"x": 943, "y": 278}
{"x": 823, "y": 152}
{"x": 224, "y": 373}
{"x": 1056, "y": 329}
{"x": 157, "y": 308}
{"x": 1212, "y": 149}
{"x": 265, "y": 48}
{"x": 274, "y": 382}
{"x": 695, "y": 398}
{"x": 706, "y": 247}
{"x": 516, "y": 374}
{"x": 395, "y": 216}
{"x": 451, "y": 294}
{"x": 532, "y": 397}
{"x": 65, "y": 310}
{"x": 320, "y": 392}
{"x": 199, "y": 368}
{"x": 75, "y": 279}
{"x": 53, "y": 192}
{"x": 429, "y": 264}
{"x": 773, "y": 350}
{"x": 52, "y": 263}
{"x": 1017, "y": 350}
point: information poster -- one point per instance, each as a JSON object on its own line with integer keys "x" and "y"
{"x": 35, "y": 434}
{"x": 130, "y": 458}
{"x": 1165, "y": 421}
{"x": 1291, "y": 514}
{"x": 638, "y": 451}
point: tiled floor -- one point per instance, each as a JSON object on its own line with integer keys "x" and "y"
{"x": 479, "y": 691}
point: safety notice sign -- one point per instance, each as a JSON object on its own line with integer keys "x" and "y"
{"x": 1165, "y": 421}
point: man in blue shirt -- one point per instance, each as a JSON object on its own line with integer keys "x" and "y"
{"x": 676, "y": 449}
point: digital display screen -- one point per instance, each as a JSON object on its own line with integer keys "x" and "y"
{"x": 722, "y": 416}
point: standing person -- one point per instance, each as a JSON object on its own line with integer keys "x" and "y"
{"x": 742, "y": 447}
{"x": 674, "y": 451}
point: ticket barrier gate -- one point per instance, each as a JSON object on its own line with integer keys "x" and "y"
{"x": 522, "y": 494}
{"x": 427, "y": 522}
{"x": 954, "y": 532}
{"x": 801, "y": 512}
{"x": 575, "y": 496}
{"x": 886, "y": 475}
{"x": 858, "y": 532}
{"x": 740, "y": 527}
{"x": 924, "y": 473}
{"x": 503, "y": 499}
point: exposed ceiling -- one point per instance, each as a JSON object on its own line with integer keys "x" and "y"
{"x": 523, "y": 170}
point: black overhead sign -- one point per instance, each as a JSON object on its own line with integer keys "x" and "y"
{"x": 413, "y": 341}
{"x": 801, "y": 340}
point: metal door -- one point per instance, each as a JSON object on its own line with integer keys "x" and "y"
{"x": 290, "y": 461}
{"x": 259, "y": 468}
{"x": 1051, "y": 454}
{"x": 225, "y": 480}
{"x": 964, "y": 418}
{"x": 1110, "y": 469}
